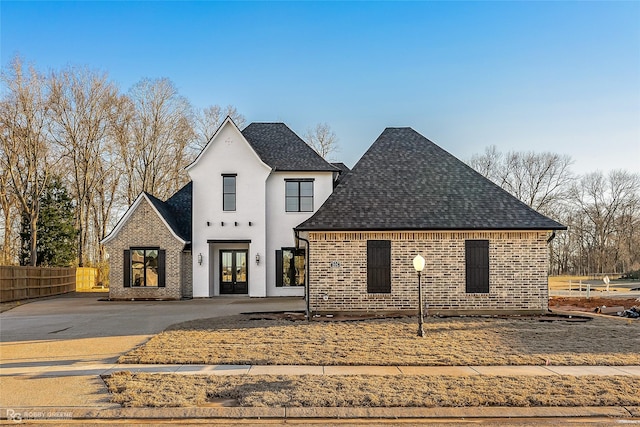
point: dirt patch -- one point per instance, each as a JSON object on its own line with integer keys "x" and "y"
{"x": 170, "y": 390}
{"x": 589, "y": 304}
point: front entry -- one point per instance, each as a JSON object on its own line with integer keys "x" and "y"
{"x": 234, "y": 272}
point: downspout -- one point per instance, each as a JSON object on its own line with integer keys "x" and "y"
{"x": 553, "y": 236}
{"x": 307, "y": 291}
{"x": 549, "y": 240}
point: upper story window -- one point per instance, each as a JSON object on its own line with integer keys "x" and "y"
{"x": 299, "y": 195}
{"x": 229, "y": 192}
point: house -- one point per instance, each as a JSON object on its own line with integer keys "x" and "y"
{"x": 230, "y": 230}
{"x": 265, "y": 216}
{"x": 485, "y": 251}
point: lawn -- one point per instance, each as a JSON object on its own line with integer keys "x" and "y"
{"x": 161, "y": 390}
{"x": 448, "y": 342}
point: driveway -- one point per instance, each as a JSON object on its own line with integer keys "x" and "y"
{"x": 87, "y": 315}
{"x": 77, "y": 330}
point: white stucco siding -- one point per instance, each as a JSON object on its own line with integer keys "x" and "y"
{"x": 228, "y": 153}
{"x": 280, "y": 224}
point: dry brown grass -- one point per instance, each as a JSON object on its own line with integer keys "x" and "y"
{"x": 448, "y": 342}
{"x": 161, "y": 390}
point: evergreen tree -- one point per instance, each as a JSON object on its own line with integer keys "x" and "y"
{"x": 56, "y": 240}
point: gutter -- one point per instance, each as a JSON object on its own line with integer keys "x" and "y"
{"x": 307, "y": 291}
{"x": 553, "y": 236}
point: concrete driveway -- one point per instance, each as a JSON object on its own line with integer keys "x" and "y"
{"x": 77, "y": 330}
{"x": 84, "y": 315}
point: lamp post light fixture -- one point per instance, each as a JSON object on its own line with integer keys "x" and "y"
{"x": 418, "y": 264}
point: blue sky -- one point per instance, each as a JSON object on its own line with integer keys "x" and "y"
{"x": 543, "y": 76}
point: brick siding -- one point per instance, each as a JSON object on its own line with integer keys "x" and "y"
{"x": 517, "y": 272}
{"x": 144, "y": 228}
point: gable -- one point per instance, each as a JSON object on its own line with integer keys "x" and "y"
{"x": 406, "y": 182}
{"x": 157, "y": 207}
{"x": 229, "y": 144}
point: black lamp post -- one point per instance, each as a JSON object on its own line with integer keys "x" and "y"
{"x": 418, "y": 264}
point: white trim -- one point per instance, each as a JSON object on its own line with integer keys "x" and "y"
{"x": 128, "y": 214}
{"x": 226, "y": 121}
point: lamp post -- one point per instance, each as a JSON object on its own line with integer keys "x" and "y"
{"x": 418, "y": 264}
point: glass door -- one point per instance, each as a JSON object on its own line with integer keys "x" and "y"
{"x": 234, "y": 272}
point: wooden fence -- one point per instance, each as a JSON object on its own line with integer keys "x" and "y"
{"x": 87, "y": 280}
{"x": 20, "y": 283}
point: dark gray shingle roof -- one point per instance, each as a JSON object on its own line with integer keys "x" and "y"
{"x": 176, "y": 211}
{"x": 281, "y": 149}
{"x": 344, "y": 170}
{"x": 406, "y": 182}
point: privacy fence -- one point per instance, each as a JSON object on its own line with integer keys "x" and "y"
{"x": 20, "y": 283}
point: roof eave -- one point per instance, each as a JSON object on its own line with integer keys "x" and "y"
{"x": 342, "y": 229}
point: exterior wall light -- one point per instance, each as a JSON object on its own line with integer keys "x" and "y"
{"x": 418, "y": 264}
{"x": 257, "y": 259}
{"x": 200, "y": 259}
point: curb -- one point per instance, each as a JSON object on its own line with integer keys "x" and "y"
{"x": 48, "y": 413}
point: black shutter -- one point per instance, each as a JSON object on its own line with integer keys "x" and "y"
{"x": 162, "y": 257}
{"x": 477, "y": 265}
{"x": 126, "y": 268}
{"x": 279, "y": 271}
{"x": 379, "y": 266}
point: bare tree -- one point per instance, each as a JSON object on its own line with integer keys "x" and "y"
{"x": 24, "y": 117}
{"x": 540, "y": 180}
{"x": 82, "y": 105}
{"x": 609, "y": 206}
{"x": 9, "y": 224}
{"x": 323, "y": 140}
{"x": 209, "y": 120}
{"x": 161, "y": 130}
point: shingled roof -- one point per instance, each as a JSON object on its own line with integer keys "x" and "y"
{"x": 176, "y": 211}
{"x": 283, "y": 150}
{"x": 406, "y": 182}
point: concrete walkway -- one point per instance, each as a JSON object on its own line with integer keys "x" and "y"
{"x": 75, "y": 391}
{"x": 95, "y": 369}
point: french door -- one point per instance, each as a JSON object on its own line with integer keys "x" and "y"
{"x": 234, "y": 273}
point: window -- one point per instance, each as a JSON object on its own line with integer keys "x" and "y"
{"x": 144, "y": 267}
{"x": 379, "y": 266}
{"x": 477, "y": 266}
{"x": 228, "y": 192}
{"x": 290, "y": 267}
{"x": 299, "y": 195}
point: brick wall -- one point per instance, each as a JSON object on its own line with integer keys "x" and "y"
{"x": 517, "y": 272}
{"x": 145, "y": 228}
{"x": 187, "y": 275}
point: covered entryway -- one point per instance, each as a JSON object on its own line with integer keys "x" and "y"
{"x": 234, "y": 271}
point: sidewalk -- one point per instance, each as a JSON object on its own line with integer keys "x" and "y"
{"x": 93, "y": 369}
{"x": 80, "y": 393}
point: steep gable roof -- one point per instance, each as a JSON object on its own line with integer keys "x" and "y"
{"x": 175, "y": 213}
{"x": 180, "y": 206}
{"x": 406, "y": 182}
{"x": 283, "y": 150}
